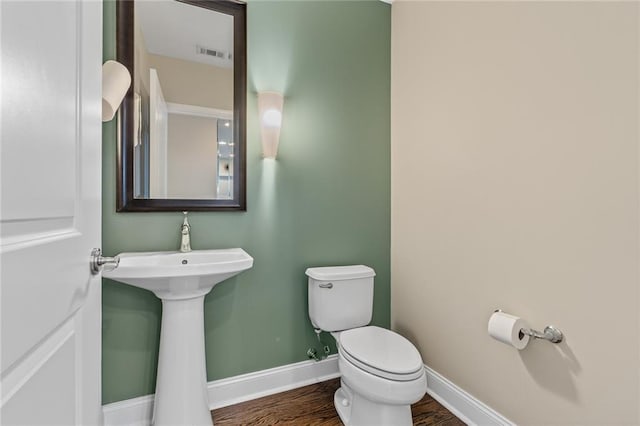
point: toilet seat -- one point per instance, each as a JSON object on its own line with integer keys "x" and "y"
{"x": 382, "y": 353}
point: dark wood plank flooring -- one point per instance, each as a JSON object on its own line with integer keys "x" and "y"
{"x": 313, "y": 406}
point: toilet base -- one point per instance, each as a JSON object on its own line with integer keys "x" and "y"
{"x": 343, "y": 405}
{"x": 356, "y": 410}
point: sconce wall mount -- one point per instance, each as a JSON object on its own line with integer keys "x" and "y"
{"x": 115, "y": 84}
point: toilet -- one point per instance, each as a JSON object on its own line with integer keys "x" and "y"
{"x": 381, "y": 372}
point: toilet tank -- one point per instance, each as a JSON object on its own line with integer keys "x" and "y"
{"x": 340, "y": 297}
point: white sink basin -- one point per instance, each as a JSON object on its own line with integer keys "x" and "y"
{"x": 181, "y": 280}
{"x": 176, "y": 275}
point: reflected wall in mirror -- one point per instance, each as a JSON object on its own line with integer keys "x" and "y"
{"x": 182, "y": 124}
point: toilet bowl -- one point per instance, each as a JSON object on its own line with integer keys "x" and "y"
{"x": 382, "y": 373}
{"x": 381, "y": 376}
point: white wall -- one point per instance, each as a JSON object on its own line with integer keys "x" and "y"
{"x": 192, "y": 163}
{"x": 515, "y": 186}
{"x": 194, "y": 83}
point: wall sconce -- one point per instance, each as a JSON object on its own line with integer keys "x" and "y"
{"x": 115, "y": 83}
{"x": 270, "y": 110}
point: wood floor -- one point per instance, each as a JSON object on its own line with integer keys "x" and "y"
{"x": 313, "y": 406}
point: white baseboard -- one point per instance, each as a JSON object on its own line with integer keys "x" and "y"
{"x": 463, "y": 405}
{"x": 246, "y": 387}
{"x": 233, "y": 390}
{"x": 130, "y": 412}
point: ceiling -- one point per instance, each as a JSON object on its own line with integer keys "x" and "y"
{"x": 175, "y": 29}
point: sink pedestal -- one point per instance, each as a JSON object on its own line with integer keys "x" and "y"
{"x": 181, "y": 385}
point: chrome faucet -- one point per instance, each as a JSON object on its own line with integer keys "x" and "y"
{"x": 185, "y": 243}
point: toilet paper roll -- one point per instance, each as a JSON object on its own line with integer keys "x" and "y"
{"x": 506, "y": 328}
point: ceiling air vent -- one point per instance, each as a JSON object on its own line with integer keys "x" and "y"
{"x": 212, "y": 52}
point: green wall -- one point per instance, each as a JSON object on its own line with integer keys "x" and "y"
{"x": 324, "y": 201}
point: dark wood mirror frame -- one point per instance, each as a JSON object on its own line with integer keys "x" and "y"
{"x": 125, "y": 200}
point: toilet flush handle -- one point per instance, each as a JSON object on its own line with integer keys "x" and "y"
{"x": 326, "y": 285}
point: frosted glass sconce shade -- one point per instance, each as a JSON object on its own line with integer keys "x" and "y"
{"x": 270, "y": 106}
{"x": 115, "y": 83}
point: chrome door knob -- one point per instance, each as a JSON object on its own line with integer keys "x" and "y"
{"x": 99, "y": 262}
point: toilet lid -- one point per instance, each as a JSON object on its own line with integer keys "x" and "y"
{"x": 382, "y": 352}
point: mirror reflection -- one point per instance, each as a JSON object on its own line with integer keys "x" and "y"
{"x": 183, "y": 102}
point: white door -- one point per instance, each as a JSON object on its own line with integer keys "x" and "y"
{"x": 158, "y": 137}
{"x": 50, "y": 206}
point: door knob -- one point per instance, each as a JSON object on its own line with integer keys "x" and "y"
{"x": 99, "y": 262}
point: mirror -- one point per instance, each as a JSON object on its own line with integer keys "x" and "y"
{"x": 181, "y": 133}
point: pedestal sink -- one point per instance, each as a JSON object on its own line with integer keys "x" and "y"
{"x": 181, "y": 280}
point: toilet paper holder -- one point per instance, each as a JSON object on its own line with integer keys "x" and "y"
{"x": 550, "y": 333}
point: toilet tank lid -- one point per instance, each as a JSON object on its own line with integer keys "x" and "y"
{"x": 328, "y": 273}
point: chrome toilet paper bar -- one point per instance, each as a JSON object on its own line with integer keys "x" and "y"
{"x": 550, "y": 333}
